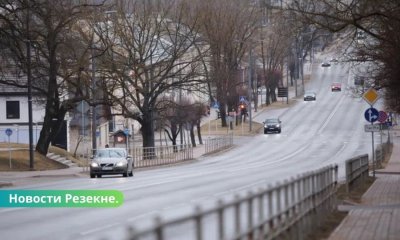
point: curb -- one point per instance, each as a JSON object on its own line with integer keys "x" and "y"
{"x": 5, "y": 184}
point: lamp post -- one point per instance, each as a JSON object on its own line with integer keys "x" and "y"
{"x": 249, "y": 90}
{"x": 93, "y": 107}
{"x": 29, "y": 82}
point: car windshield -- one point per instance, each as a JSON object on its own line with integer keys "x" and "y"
{"x": 110, "y": 153}
{"x": 309, "y": 94}
{"x": 272, "y": 121}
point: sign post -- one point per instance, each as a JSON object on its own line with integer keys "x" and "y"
{"x": 9, "y": 133}
{"x": 371, "y": 115}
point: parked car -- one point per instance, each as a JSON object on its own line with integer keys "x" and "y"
{"x": 310, "y": 96}
{"x": 108, "y": 161}
{"x": 325, "y": 64}
{"x": 272, "y": 125}
{"x": 336, "y": 87}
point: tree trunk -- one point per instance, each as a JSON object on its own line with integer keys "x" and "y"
{"x": 192, "y": 136}
{"x": 49, "y": 130}
{"x": 148, "y": 136}
{"x": 199, "y": 132}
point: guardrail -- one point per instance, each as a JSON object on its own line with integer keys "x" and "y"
{"x": 287, "y": 211}
{"x": 161, "y": 155}
{"x": 356, "y": 170}
{"x": 218, "y": 143}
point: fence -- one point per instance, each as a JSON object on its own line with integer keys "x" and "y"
{"x": 356, "y": 170}
{"x": 381, "y": 151}
{"x": 218, "y": 143}
{"x": 290, "y": 211}
{"x": 161, "y": 155}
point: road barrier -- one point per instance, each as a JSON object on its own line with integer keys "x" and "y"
{"x": 356, "y": 171}
{"x": 218, "y": 143}
{"x": 161, "y": 155}
{"x": 290, "y": 210}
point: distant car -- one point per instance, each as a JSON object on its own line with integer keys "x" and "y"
{"x": 310, "y": 96}
{"x": 336, "y": 87}
{"x": 272, "y": 125}
{"x": 325, "y": 64}
{"x": 109, "y": 161}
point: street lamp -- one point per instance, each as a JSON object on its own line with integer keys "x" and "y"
{"x": 29, "y": 82}
{"x": 249, "y": 90}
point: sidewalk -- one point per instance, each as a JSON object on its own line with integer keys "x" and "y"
{"x": 378, "y": 215}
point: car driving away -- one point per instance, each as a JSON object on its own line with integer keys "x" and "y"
{"x": 310, "y": 96}
{"x": 325, "y": 64}
{"x": 336, "y": 87}
{"x": 272, "y": 125}
{"x": 109, "y": 161}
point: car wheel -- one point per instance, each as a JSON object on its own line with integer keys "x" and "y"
{"x": 279, "y": 131}
{"x": 98, "y": 175}
{"x": 125, "y": 174}
{"x": 92, "y": 175}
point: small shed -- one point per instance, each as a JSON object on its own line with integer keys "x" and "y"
{"x": 119, "y": 138}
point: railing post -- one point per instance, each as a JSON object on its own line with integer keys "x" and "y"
{"x": 237, "y": 215}
{"x": 158, "y": 228}
{"x": 250, "y": 215}
{"x": 221, "y": 220}
{"x": 199, "y": 229}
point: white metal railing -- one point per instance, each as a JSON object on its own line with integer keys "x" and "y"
{"x": 161, "y": 155}
{"x": 356, "y": 170}
{"x": 218, "y": 143}
{"x": 287, "y": 211}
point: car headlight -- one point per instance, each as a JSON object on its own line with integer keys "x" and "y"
{"x": 121, "y": 164}
{"x": 94, "y": 164}
{"x": 278, "y": 125}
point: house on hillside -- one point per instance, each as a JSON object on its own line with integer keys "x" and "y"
{"x": 14, "y": 105}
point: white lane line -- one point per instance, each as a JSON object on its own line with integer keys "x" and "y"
{"x": 271, "y": 162}
{"x": 102, "y": 228}
{"x": 331, "y": 115}
{"x": 132, "y": 219}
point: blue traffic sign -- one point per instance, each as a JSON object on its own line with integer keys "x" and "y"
{"x": 8, "y": 131}
{"x": 126, "y": 131}
{"x": 242, "y": 99}
{"x": 215, "y": 105}
{"x": 371, "y": 115}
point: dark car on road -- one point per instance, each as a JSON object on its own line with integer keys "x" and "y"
{"x": 272, "y": 125}
{"x": 336, "y": 87}
{"x": 310, "y": 96}
{"x": 109, "y": 161}
{"x": 325, "y": 64}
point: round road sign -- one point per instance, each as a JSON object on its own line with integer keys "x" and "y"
{"x": 8, "y": 131}
{"x": 382, "y": 116}
{"x": 371, "y": 115}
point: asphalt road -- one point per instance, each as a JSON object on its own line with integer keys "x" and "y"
{"x": 314, "y": 134}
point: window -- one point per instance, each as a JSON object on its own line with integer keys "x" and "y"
{"x": 12, "y": 109}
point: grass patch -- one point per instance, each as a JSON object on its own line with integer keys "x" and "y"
{"x": 20, "y": 158}
{"x": 333, "y": 220}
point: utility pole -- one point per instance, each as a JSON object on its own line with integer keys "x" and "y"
{"x": 93, "y": 107}
{"x": 29, "y": 79}
{"x": 249, "y": 90}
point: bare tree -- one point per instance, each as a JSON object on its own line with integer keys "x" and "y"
{"x": 57, "y": 56}
{"x": 147, "y": 51}
{"x": 378, "y": 21}
{"x": 228, "y": 27}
